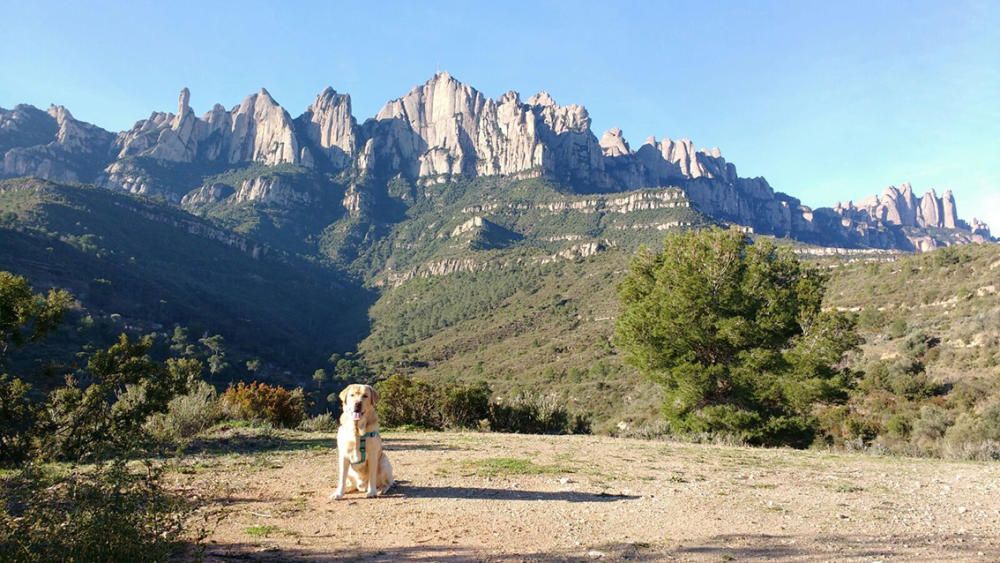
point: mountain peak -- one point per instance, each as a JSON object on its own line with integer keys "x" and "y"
{"x": 183, "y": 102}
{"x": 541, "y": 99}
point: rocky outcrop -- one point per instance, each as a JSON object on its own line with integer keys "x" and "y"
{"x": 52, "y": 145}
{"x": 263, "y": 132}
{"x": 269, "y": 189}
{"x": 469, "y": 226}
{"x": 613, "y": 143}
{"x": 899, "y": 207}
{"x": 206, "y": 195}
{"x": 447, "y": 128}
{"x": 257, "y": 130}
{"x": 330, "y": 128}
{"x": 130, "y": 176}
{"x": 26, "y": 126}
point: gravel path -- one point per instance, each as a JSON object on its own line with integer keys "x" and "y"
{"x": 501, "y": 497}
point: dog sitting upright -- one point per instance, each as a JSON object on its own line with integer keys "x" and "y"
{"x": 362, "y": 465}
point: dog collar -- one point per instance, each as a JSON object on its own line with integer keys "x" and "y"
{"x": 364, "y": 438}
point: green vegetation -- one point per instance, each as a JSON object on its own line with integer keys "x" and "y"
{"x": 110, "y": 513}
{"x": 541, "y": 330}
{"x": 735, "y": 335}
{"x": 508, "y": 466}
{"x": 262, "y": 531}
{"x": 97, "y": 416}
{"x": 931, "y": 360}
{"x": 139, "y": 266}
{"x": 285, "y": 293}
{"x": 410, "y": 402}
{"x": 264, "y": 403}
{"x": 187, "y": 415}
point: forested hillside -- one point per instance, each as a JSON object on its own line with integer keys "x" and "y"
{"x": 140, "y": 266}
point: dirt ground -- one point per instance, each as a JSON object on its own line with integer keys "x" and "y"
{"x": 501, "y": 497}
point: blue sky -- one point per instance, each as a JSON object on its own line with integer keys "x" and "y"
{"x": 827, "y": 100}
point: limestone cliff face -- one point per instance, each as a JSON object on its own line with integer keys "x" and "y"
{"x": 51, "y": 145}
{"x": 900, "y": 207}
{"x": 437, "y": 131}
{"x": 257, "y": 130}
{"x": 445, "y": 127}
{"x": 330, "y": 127}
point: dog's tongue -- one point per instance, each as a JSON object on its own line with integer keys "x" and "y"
{"x": 357, "y": 416}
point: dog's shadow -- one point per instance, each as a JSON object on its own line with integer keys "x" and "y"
{"x": 405, "y": 489}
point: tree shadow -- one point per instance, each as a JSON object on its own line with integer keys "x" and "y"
{"x": 753, "y": 547}
{"x": 766, "y": 547}
{"x": 407, "y": 490}
{"x": 424, "y": 552}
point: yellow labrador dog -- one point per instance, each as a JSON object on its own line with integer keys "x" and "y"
{"x": 363, "y": 466}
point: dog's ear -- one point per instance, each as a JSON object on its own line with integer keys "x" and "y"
{"x": 374, "y": 395}
{"x": 343, "y": 394}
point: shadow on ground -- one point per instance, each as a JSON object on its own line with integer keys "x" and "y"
{"x": 250, "y": 552}
{"x": 758, "y": 547}
{"x": 406, "y": 490}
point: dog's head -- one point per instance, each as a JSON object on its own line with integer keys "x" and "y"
{"x": 358, "y": 401}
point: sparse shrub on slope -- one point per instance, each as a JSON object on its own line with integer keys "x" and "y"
{"x": 265, "y": 403}
{"x": 25, "y": 317}
{"x": 105, "y": 511}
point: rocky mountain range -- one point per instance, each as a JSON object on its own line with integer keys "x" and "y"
{"x": 439, "y": 132}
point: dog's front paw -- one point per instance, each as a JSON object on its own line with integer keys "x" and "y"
{"x": 371, "y": 493}
{"x": 337, "y": 495}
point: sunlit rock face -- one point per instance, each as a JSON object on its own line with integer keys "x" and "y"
{"x": 438, "y": 131}
{"x": 257, "y": 130}
{"x": 50, "y": 144}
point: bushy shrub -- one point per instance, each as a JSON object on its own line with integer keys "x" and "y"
{"x": 409, "y": 402}
{"x": 108, "y": 514}
{"x": 319, "y": 423}
{"x": 466, "y": 406}
{"x": 904, "y": 377}
{"x": 107, "y": 414}
{"x": 406, "y": 401}
{"x": 535, "y": 415}
{"x": 930, "y": 427}
{"x": 187, "y": 415}
{"x": 17, "y": 418}
{"x": 897, "y": 328}
{"x": 266, "y": 403}
{"x": 974, "y": 435}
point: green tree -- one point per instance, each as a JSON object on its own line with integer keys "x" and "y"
{"x": 216, "y": 346}
{"x": 734, "y": 332}
{"x": 25, "y": 316}
{"x": 320, "y": 377}
{"x": 106, "y": 415}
